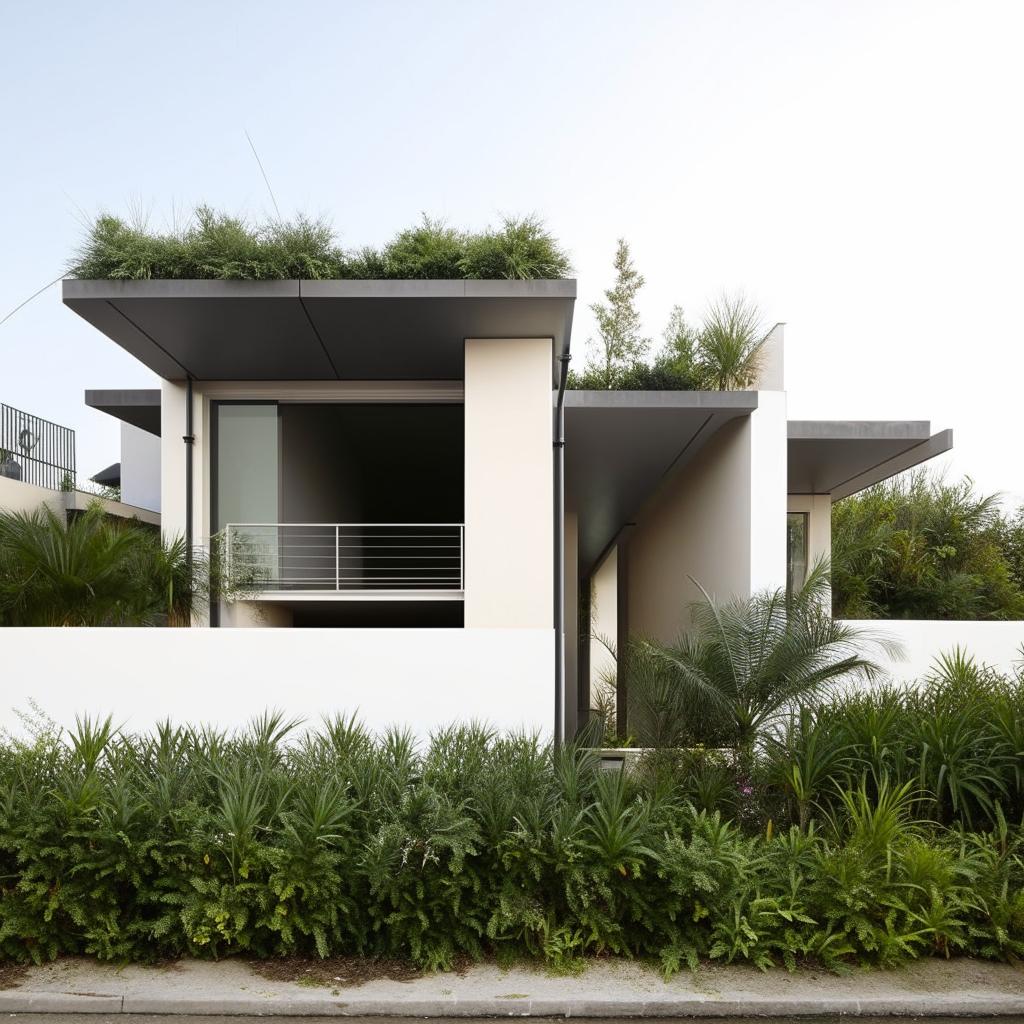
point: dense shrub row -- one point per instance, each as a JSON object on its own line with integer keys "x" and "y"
{"x": 219, "y": 246}
{"x": 273, "y": 842}
{"x": 921, "y": 547}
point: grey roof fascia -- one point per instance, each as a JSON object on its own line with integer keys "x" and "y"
{"x": 932, "y": 446}
{"x": 858, "y": 430}
{"x": 318, "y": 330}
{"x": 138, "y": 406}
{"x": 715, "y": 400}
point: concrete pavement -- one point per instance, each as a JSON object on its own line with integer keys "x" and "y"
{"x": 607, "y": 988}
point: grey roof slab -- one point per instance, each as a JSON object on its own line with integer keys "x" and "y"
{"x": 841, "y": 457}
{"x": 619, "y": 445}
{"x": 138, "y": 406}
{"x": 319, "y": 330}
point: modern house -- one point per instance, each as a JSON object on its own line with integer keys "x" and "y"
{"x": 401, "y": 456}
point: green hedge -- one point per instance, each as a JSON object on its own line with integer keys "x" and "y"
{"x": 214, "y": 245}
{"x": 269, "y": 842}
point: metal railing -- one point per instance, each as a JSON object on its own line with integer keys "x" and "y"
{"x": 344, "y": 556}
{"x": 35, "y": 450}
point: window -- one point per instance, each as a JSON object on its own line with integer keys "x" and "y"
{"x": 796, "y": 550}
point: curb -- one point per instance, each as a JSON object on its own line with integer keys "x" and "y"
{"x": 982, "y": 1005}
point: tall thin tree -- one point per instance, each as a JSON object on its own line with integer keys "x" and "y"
{"x": 620, "y": 343}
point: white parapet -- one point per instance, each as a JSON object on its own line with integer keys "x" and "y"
{"x": 996, "y": 644}
{"x": 419, "y": 678}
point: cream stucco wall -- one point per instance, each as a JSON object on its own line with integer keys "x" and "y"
{"x": 720, "y": 519}
{"x": 819, "y": 523}
{"x": 509, "y": 572}
{"x": 18, "y": 496}
{"x": 604, "y": 620}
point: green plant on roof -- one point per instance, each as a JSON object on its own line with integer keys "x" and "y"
{"x": 722, "y": 353}
{"x": 216, "y": 246}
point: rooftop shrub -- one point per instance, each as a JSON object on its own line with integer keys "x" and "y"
{"x": 213, "y": 245}
{"x": 722, "y": 353}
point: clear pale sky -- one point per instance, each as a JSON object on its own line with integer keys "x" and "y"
{"x": 856, "y": 167}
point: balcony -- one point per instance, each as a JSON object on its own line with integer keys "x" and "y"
{"x": 345, "y": 561}
{"x": 36, "y": 451}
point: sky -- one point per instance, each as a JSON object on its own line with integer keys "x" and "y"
{"x": 855, "y": 168}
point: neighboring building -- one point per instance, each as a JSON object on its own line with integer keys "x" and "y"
{"x": 137, "y": 475}
{"x": 385, "y": 454}
{"x": 37, "y": 467}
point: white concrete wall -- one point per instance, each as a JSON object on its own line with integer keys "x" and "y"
{"x": 509, "y": 577}
{"x": 772, "y": 363}
{"x": 993, "y": 643}
{"x": 769, "y": 464}
{"x": 172, "y": 459}
{"x": 422, "y": 678}
{"x": 18, "y": 496}
{"x": 140, "y": 468}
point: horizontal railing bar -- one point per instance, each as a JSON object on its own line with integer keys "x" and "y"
{"x": 231, "y": 526}
{"x": 358, "y": 579}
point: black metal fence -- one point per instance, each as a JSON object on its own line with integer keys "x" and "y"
{"x": 35, "y": 450}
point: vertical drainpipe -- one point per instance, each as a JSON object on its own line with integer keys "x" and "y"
{"x": 189, "y": 440}
{"x": 558, "y": 445}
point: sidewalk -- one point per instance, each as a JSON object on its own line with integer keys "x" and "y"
{"x": 605, "y": 989}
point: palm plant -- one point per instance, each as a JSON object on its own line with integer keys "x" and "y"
{"x": 95, "y": 571}
{"x": 73, "y": 574}
{"x": 729, "y": 343}
{"x": 747, "y": 662}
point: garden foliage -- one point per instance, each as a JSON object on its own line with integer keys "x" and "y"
{"x": 919, "y": 547}
{"x": 850, "y": 844}
{"x": 94, "y": 569}
{"x": 213, "y": 245}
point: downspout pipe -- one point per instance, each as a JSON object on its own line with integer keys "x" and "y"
{"x": 189, "y": 439}
{"x": 558, "y": 445}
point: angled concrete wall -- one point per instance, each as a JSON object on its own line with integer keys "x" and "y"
{"x": 721, "y": 520}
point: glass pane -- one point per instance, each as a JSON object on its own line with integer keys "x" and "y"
{"x": 796, "y": 550}
{"x": 247, "y": 488}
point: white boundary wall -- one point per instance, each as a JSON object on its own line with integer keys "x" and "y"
{"x": 420, "y": 678}
{"x": 992, "y": 643}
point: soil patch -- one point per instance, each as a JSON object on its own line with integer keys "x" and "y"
{"x": 335, "y": 971}
{"x": 12, "y": 975}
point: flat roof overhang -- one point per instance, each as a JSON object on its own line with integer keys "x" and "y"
{"x": 841, "y": 457}
{"x": 139, "y": 407}
{"x": 319, "y": 330}
{"x": 620, "y": 445}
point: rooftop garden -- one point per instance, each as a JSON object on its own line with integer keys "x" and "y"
{"x": 216, "y": 246}
{"x": 721, "y": 353}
